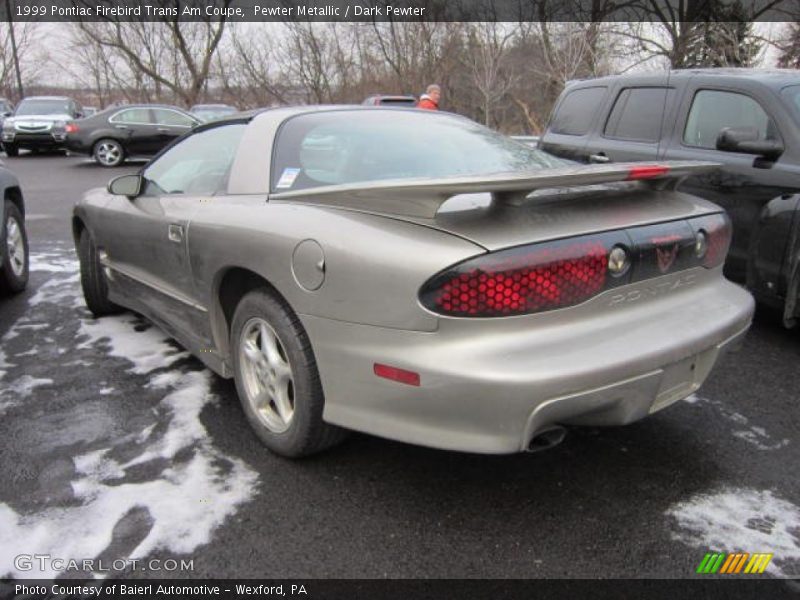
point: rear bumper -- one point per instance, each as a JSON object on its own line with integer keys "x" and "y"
{"x": 489, "y": 385}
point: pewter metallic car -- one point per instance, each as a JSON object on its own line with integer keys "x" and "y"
{"x": 416, "y": 276}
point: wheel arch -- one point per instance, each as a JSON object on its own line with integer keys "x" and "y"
{"x": 13, "y": 194}
{"x": 230, "y": 285}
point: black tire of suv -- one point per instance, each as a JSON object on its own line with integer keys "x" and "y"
{"x": 11, "y": 150}
{"x": 11, "y": 282}
{"x": 307, "y": 433}
{"x": 93, "y": 280}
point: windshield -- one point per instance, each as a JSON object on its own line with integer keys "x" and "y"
{"x": 340, "y": 147}
{"x": 43, "y": 107}
{"x": 792, "y": 96}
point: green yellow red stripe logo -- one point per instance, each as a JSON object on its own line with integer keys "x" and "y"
{"x": 734, "y": 563}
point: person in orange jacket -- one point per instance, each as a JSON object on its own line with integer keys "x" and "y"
{"x": 430, "y": 99}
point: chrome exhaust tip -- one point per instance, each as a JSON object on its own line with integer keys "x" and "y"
{"x": 547, "y": 438}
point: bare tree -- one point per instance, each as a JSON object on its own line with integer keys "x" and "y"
{"x": 172, "y": 54}
{"x": 488, "y": 49}
{"x": 29, "y": 51}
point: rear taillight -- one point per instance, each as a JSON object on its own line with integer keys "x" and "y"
{"x": 567, "y": 272}
{"x": 523, "y": 280}
{"x": 71, "y": 128}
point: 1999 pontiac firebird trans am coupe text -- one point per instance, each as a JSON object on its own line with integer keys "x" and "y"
{"x": 416, "y": 276}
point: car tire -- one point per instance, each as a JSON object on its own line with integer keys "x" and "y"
{"x": 277, "y": 378}
{"x": 14, "y": 270}
{"x": 108, "y": 153}
{"x": 11, "y": 150}
{"x": 93, "y": 280}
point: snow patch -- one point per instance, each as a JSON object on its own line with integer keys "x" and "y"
{"x": 148, "y": 350}
{"x": 752, "y": 434}
{"x": 185, "y": 503}
{"x": 24, "y": 386}
{"x": 742, "y": 520}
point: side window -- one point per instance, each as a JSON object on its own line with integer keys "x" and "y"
{"x": 170, "y": 117}
{"x": 637, "y": 115}
{"x": 714, "y": 110}
{"x": 132, "y": 115}
{"x": 576, "y": 111}
{"x": 197, "y": 165}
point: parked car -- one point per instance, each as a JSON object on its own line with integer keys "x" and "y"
{"x": 391, "y": 100}
{"x": 747, "y": 120}
{"x": 347, "y": 277}
{"x": 39, "y": 123}
{"x": 89, "y": 111}
{"x": 209, "y": 112}
{"x": 123, "y": 132}
{"x": 6, "y": 110}
{"x": 13, "y": 238}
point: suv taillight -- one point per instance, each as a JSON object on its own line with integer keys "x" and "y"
{"x": 563, "y": 273}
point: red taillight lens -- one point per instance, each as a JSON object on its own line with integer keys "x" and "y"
{"x": 563, "y": 273}
{"x": 522, "y": 280}
{"x": 71, "y": 128}
{"x": 718, "y": 231}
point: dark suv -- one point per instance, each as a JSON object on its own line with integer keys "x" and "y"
{"x": 747, "y": 120}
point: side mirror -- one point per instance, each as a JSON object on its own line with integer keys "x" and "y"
{"x": 125, "y": 185}
{"x": 7, "y": 113}
{"x": 745, "y": 141}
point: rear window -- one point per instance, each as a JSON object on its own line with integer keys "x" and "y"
{"x": 341, "y": 147}
{"x": 637, "y": 115}
{"x": 576, "y": 111}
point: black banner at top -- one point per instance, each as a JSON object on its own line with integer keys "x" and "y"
{"x": 401, "y": 10}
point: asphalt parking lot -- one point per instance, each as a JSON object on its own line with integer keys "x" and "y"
{"x": 118, "y": 445}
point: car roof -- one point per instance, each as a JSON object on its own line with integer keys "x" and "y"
{"x": 777, "y": 78}
{"x": 287, "y": 112}
{"x": 46, "y": 98}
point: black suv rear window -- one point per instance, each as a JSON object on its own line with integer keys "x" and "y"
{"x": 637, "y": 115}
{"x": 576, "y": 111}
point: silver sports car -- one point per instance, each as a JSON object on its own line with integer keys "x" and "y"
{"x": 416, "y": 276}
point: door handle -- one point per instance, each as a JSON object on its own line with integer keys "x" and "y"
{"x": 600, "y": 157}
{"x": 163, "y": 129}
{"x": 121, "y": 126}
{"x": 175, "y": 233}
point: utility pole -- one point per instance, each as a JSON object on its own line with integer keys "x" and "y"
{"x": 14, "y": 49}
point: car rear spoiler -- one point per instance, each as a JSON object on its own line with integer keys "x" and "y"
{"x": 423, "y": 197}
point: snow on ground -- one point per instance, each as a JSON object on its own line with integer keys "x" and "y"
{"x": 164, "y": 470}
{"x": 742, "y": 520}
{"x": 147, "y": 350}
{"x": 743, "y": 429}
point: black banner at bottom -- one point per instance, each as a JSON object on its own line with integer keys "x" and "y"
{"x": 401, "y": 589}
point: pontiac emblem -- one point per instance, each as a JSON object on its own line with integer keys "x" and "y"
{"x": 666, "y": 256}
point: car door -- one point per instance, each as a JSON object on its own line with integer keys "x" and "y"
{"x": 573, "y": 119}
{"x": 135, "y": 129}
{"x": 146, "y": 237}
{"x": 634, "y": 126}
{"x": 746, "y": 182}
{"x": 171, "y": 124}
